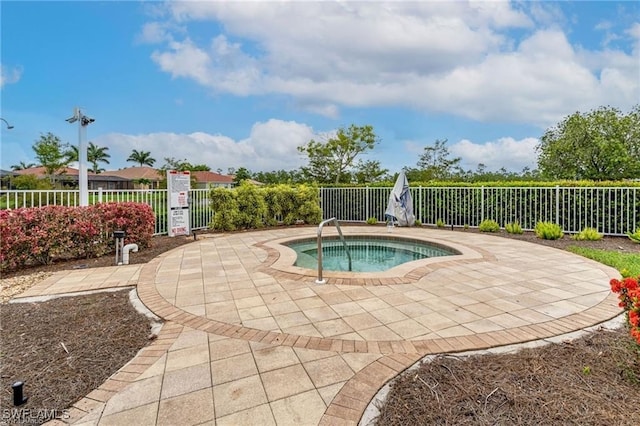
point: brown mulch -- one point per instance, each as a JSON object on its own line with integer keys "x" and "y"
{"x": 594, "y": 380}
{"x": 64, "y": 348}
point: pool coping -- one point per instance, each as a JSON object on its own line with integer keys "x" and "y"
{"x": 280, "y": 262}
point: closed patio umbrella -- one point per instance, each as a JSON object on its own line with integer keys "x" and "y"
{"x": 400, "y": 207}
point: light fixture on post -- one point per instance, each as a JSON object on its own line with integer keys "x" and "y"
{"x": 9, "y": 126}
{"x": 83, "y": 122}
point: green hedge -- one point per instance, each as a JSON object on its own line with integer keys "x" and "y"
{"x": 251, "y": 207}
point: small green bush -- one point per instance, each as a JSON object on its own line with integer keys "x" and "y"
{"x": 417, "y": 223}
{"x": 252, "y": 208}
{"x": 548, "y": 231}
{"x": 466, "y": 226}
{"x": 372, "y": 221}
{"x": 635, "y": 237}
{"x": 513, "y": 228}
{"x": 225, "y": 209}
{"x": 440, "y": 223}
{"x": 588, "y": 234}
{"x": 489, "y": 225}
{"x": 308, "y": 200}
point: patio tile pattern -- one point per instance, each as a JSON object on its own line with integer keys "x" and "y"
{"x": 249, "y": 338}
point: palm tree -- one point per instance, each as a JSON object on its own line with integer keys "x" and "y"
{"x": 142, "y": 157}
{"x": 22, "y": 165}
{"x": 95, "y": 155}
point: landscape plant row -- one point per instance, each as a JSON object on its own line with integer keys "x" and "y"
{"x": 250, "y": 207}
{"x": 40, "y": 235}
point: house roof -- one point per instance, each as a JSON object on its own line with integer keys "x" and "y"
{"x": 211, "y": 177}
{"x": 72, "y": 173}
{"x": 41, "y": 171}
{"x": 140, "y": 172}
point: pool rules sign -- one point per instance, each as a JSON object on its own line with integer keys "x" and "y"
{"x": 178, "y": 185}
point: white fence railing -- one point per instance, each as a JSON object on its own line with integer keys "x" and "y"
{"x": 200, "y": 212}
{"x": 611, "y": 210}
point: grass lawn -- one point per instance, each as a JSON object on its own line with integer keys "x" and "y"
{"x": 621, "y": 261}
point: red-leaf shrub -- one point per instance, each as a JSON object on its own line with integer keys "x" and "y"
{"x": 43, "y": 234}
{"x": 628, "y": 290}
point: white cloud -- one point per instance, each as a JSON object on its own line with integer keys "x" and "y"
{"x": 458, "y": 58}
{"x": 271, "y": 145}
{"x": 9, "y": 75}
{"x": 156, "y": 32}
{"x": 513, "y": 155}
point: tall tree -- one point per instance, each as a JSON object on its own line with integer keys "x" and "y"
{"x": 143, "y": 158}
{"x": 436, "y": 164}
{"x": 95, "y": 155}
{"x": 333, "y": 160}
{"x": 171, "y": 163}
{"x": 241, "y": 175}
{"x": 279, "y": 176}
{"x": 369, "y": 171}
{"x": 52, "y": 154}
{"x": 603, "y": 144}
{"x": 22, "y": 166}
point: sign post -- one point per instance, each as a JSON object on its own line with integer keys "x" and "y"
{"x": 178, "y": 185}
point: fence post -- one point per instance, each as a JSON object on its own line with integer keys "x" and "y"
{"x": 558, "y": 204}
{"x": 481, "y": 203}
{"x": 366, "y": 200}
{"x": 100, "y": 194}
{"x": 420, "y": 205}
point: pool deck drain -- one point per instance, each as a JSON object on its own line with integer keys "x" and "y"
{"x": 249, "y": 339}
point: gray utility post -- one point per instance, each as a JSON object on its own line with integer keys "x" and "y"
{"x": 83, "y": 122}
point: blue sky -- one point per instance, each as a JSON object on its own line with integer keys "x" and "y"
{"x": 242, "y": 84}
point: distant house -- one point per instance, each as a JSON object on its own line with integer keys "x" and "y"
{"x": 130, "y": 178}
{"x": 140, "y": 177}
{"x": 204, "y": 180}
{"x": 107, "y": 180}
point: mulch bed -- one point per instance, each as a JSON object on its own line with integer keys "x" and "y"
{"x": 594, "y": 380}
{"x": 64, "y": 348}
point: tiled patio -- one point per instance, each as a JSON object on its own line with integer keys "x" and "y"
{"x": 251, "y": 339}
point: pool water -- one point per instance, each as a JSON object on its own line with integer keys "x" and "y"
{"x": 368, "y": 254}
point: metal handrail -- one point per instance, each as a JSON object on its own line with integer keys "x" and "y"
{"x": 320, "y": 280}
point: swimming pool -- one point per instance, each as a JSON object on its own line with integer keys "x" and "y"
{"x": 368, "y": 254}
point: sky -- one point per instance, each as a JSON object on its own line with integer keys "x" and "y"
{"x": 243, "y": 84}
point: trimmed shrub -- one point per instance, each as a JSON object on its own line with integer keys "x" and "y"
{"x": 280, "y": 201}
{"x": 249, "y": 206}
{"x": 309, "y": 210}
{"x": 252, "y": 209}
{"x": 635, "y": 237}
{"x": 440, "y": 223}
{"x": 513, "y": 228}
{"x": 372, "y": 221}
{"x": 43, "y": 234}
{"x": 225, "y": 209}
{"x": 588, "y": 234}
{"x": 489, "y": 225}
{"x": 548, "y": 231}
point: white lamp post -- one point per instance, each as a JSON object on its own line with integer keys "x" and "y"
{"x": 83, "y": 122}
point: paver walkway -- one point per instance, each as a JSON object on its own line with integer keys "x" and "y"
{"x": 251, "y": 339}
